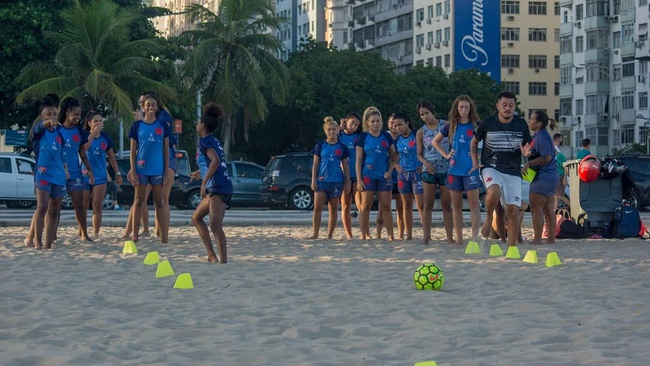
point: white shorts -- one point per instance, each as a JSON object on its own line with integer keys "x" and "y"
{"x": 510, "y": 185}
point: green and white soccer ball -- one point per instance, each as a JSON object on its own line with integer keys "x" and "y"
{"x": 428, "y": 276}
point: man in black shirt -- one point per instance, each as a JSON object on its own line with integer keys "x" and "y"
{"x": 504, "y": 135}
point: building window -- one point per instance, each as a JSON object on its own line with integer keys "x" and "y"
{"x": 565, "y": 45}
{"x": 627, "y": 33}
{"x": 537, "y": 62}
{"x": 557, "y": 61}
{"x": 430, "y": 11}
{"x": 419, "y": 40}
{"x": 597, "y": 39}
{"x": 509, "y": 7}
{"x": 627, "y": 134}
{"x": 557, "y": 35}
{"x": 643, "y": 100}
{"x": 430, "y": 38}
{"x": 447, "y": 6}
{"x": 628, "y": 66}
{"x": 598, "y": 135}
{"x": 511, "y": 86}
{"x": 439, "y": 35}
{"x": 438, "y": 61}
{"x": 430, "y": 61}
{"x": 597, "y": 7}
{"x": 627, "y": 4}
{"x": 537, "y": 8}
{"x": 557, "y": 89}
{"x": 616, "y": 40}
{"x": 565, "y": 106}
{"x": 510, "y": 61}
{"x": 566, "y": 137}
{"x": 596, "y": 103}
{"x": 537, "y": 88}
{"x": 566, "y": 73}
{"x": 597, "y": 71}
{"x": 556, "y": 6}
{"x": 439, "y": 9}
{"x": 447, "y": 60}
{"x": 643, "y": 3}
{"x": 580, "y": 12}
{"x": 447, "y": 34}
{"x": 616, "y": 104}
{"x": 616, "y": 72}
{"x": 580, "y": 44}
{"x": 509, "y": 34}
{"x": 419, "y": 63}
{"x": 580, "y": 106}
{"x": 419, "y": 15}
{"x": 537, "y": 34}
{"x": 627, "y": 99}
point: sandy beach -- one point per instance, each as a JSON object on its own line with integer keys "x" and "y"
{"x": 284, "y": 300}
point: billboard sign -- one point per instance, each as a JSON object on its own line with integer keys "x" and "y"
{"x": 477, "y": 36}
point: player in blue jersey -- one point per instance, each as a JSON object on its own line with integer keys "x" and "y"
{"x": 349, "y": 137}
{"x": 98, "y": 148}
{"x": 375, "y": 148}
{"x": 394, "y": 132}
{"x": 463, "y": 121}
{"x": 149, "y": 142}
{"x": 73, "y": 154}
{"x": 409, "y": 171}
{"x": 51, "y": 175}
{"x": 216, "y": 188}
{"x": 330, "y": 176}
{"x": 434, "y": 172}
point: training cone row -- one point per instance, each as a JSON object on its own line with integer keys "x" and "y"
{"x": 129, "y": 247}
{"x": 163, "y": 269}
{"x": 552, "y": 259}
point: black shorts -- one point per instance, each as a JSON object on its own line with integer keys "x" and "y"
{"x": 225, "y": 197}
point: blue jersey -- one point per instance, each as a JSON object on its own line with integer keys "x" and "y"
{"x": 376, "y": 158}
{"x": 407, "y": 148}
{"x": 151, "y": 139}
{"x": 461, "y": 163}
{"x": 97, "y": 157}
{"x": 350, "y": 141}
{"x": 219, "y": 181}
{"x": 49, "y": 155}
{"x": 331, "y": 156}
{"x": 542, "y": 145}
{"x": 166, "y": 118}
{"x": 73, "y": 139}
{"x": 200, "y": 161}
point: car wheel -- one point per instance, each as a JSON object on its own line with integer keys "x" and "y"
{"x": 66, "y": 202}
{"x": 20, "y": 204}
{"x": 481, "y": 201}
{"x": 301, "y": 198}
{"x": 108, "y": 202}
{"x": 193, "y": 199}
{"x": 634, "y": 200}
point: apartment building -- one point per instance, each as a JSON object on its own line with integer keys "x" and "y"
{"x": 604, "y": 58}
{"x": 176, "y": 23}
{"x": 305, "y": 19}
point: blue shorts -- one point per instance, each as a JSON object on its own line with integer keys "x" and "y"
{"x": 77, "y": 184}
{"x": 54, "y": 190}
{"x": 378, "y": 185}
{"x": 409, "y": 182}
{"x": 435, "y": 178}
{"x": 154, "y": 180}
{"x": 463, "y": 183}
{"x": 225, "y": 197}
{"x": 545, "y": 187}
{"x": 331, "y": 189}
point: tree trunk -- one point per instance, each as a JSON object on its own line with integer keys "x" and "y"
{"x": 226, "y": 129}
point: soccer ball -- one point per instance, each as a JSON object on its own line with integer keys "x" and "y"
{"x": 428, "y": 276}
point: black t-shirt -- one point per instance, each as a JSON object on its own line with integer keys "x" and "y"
{"x": 501, "y": 142}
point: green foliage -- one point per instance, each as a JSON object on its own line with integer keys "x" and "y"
{"x": 330, "y": 82}
{"x": 630, "y": 148}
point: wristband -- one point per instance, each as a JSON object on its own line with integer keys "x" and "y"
{"x": 118, "y": 173}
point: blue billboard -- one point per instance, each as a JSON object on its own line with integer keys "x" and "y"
{"x": 477, "y": 36}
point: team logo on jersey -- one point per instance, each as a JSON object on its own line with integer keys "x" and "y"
{"x": 489, "y": 179}
{"x": 103, "y": 145}
{"x": 366, "y": 180}
{"x": 159, "y": 131}
{"x": 58, "y": 140}
{"x": 384, "y": 144}
{"x": 140, "y": 163}
{"x": 470, "y": 133}
{"x": 338, "y": 152}
{"x": 75, "y": 138}
{"x": 42, "y": 169}
{"x": 411, "y": 143}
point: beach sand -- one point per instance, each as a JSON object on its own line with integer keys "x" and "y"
{"x": 284, "y": 300}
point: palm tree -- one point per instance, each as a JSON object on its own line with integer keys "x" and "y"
{"x": 95, "y": 62}
{"x": 233, "y": 56}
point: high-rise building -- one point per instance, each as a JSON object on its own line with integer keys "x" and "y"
{"x": 305, "y": 19}
{"x": 174, "y": 24}
{"x": 604, "y": 58}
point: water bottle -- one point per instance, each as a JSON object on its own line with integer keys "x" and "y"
{"x": 452, "y": 160}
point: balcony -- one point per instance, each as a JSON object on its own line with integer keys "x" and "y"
{"x": 642, "y": 50}
{"x": 566, "y": 3}
{"x": 596, "y": 22}
{"x": 566, "y": 29}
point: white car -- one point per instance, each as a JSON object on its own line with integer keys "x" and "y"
{"x": 17, "y": 180}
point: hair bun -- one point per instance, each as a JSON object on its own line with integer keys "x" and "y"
{"x": 212, "y": 110}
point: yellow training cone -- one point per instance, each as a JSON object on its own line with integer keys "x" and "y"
{"x": 426, "y": 363}
{"x": 552, "y": 260}
{"x": 531, "y": 256}
{"x": 513, "y": 253}
{"x": 472, "y": 248}
{"x": 129, "y": 247}
{"x": 184, "y": 281}
{"x": 151, "y": 258}
{"x": 495, "y": 250}
{"x": 164, "y": 269}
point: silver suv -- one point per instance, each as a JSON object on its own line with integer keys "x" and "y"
{"x": 17, "y": 180}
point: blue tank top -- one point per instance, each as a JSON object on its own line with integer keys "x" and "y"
{"x": 407, "y": 148}
{"x": 376, "y": 157}
{"x": 430, "y": 153}
{"x": 49, "y": 156}
{"x": 151, "y": 139}
{"x": 73, "y": 139}
{"x": 330, "y": 157}
{"x": 350, "y": 141}
{"x": 219, "y": 181}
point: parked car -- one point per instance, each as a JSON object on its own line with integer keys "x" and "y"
{"x": 287, "y": 181}
{"x": 639, "y": 167}
{"x": 184, "y": 193}
{"x": 17, "y": 180}
{"x": 246, "y": 180}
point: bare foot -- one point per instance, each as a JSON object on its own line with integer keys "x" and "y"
{"x": 409, "y": 237}
{"x": 391, "y": 238}
{"x": 329, "y": 237}
{"x": 87, "y": 238}
{"x": 458, "y": 242}
{"x": 49, "y": 246}
{"x": 38, "y": 246}
{"x": 350, "y": 237}
{"x": 451, "y": 241}
{"x": 145, "y": 234}
{"x": 312, "y": 237}
{"x": 425, "y": 242}
{"x": 212, "y": 258}
{"x": 28, "y": 242}
{"x": 485, "y": 229}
